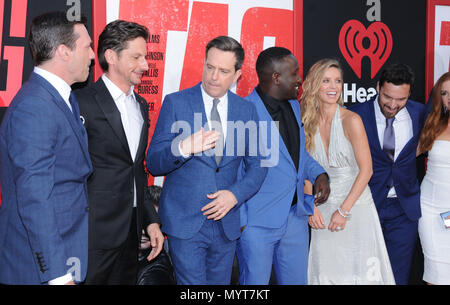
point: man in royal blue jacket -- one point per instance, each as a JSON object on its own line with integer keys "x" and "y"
{"x": 199, "y": 204}
{"x": 275, "y": 220}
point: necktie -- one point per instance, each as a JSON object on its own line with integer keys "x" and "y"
{"x": 389, "y": 144}
{"x": 216, "y": 124}
{"x": 389, "y": 139}
{"x": 75, "y": 109}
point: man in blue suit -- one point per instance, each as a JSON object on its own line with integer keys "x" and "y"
{"x": 275, "y": 220}
{"x": 44, "y": 162}
{"x": 201, "y": 194}
{"x": 393, "y": 124}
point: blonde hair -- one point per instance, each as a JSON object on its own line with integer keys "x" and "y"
{"x": 309, "y": 101}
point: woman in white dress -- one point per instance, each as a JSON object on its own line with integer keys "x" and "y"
{"x": 435, "y": 188}
{"x": 347, "y": 245}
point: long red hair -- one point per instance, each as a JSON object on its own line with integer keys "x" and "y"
{"x": 437, "y": 120}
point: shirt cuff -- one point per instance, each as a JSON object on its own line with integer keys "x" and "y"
{"x": 181, "y": 152}
{"x": 62, "y": 280}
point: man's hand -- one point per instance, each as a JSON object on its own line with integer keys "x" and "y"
{"x": 223, "y": 202}
{"x": 321, "y": 188}
{"x": 156, "y": 240}
{"x": 198, "y": 142}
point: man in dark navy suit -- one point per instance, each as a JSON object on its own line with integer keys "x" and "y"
{"x": 44, "y": 162}
{"x": 393, "y": 124}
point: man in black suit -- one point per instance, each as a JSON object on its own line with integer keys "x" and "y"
{"x": 116, "y": 120}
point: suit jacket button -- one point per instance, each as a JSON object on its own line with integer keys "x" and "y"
{"x": 217, "y": 170}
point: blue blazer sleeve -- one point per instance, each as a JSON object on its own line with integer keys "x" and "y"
{"x": 32, "y": 154}
{"x": 312, "y": 168}
{"x": 163, "y": 154}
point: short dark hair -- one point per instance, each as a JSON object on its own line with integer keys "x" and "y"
{"x": 50, "y": 30}
{"x": 154, "y": 193}
{"x": 397, "y": 74}
{"x": 115, "y": 36}
{"x": 265, "y": 64}
{"x": 226, "y": 43}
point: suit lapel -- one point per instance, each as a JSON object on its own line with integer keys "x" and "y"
{"x": 145, "y": 125}
{"x": 372, "y": 132}
{"x": 296, "y": 109}
{"x": 265, "y": 116}
{"x": 112, "y": 114}
{"x": 198, "y": 107}
{"x": 415, "y": 119}
{"x": 233, "y": 115}
{"x": 77, "y": 127}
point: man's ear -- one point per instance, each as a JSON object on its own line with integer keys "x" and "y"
{"x": 275, "y": 78}
{"x": 63, "y": 52}
{"x": 378, "y": 87}
{"x": 110, "y": 56}
{"x": 237, "y": 75}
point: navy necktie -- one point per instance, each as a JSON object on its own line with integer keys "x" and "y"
{"x": 75, "y": 109}
{"x": 389, "y": 144}
{"x": 216, "y": 124}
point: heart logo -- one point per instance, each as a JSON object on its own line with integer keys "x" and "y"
{"x": 351, "y": 38}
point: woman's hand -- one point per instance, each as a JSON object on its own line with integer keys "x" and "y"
{"x": 337, "y": 222}
{"x": 316, "y": 220}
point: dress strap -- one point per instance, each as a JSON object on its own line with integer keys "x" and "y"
{"x": 335, "y": 136}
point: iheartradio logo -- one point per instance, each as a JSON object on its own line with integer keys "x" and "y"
{"x": 351, "y": 39}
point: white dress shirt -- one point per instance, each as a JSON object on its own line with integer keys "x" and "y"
{"x": 58, "y": 83}
{"x": 403, "y": 130}
{"x": 130, "y": 115}
{"x": 222, "y": 108}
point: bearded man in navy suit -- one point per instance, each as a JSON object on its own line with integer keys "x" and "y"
{"x": 393, "y": 123}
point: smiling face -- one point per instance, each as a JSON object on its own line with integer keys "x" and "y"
{"x": 127, "y": 67}
{"x": 288, "y": 78}
{"x": 392, "y": 98}
{"x": 219, "y": 72}
{"x": 331, "y": 87}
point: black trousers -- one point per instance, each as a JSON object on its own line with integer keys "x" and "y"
{"x": 117, "y": 266}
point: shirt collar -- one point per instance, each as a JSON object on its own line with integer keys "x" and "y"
{"x": 272, "y": 103}
{"x": 57, "y": 82}
{"x": 115, "y": 91}
{"x": 209, "y": 99}
{"x": 400, "y": 116}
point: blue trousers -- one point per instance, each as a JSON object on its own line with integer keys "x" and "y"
{"x": 285, "y": 248}
{"x": 205, "y": 259}
{"x": 400, "y": 235}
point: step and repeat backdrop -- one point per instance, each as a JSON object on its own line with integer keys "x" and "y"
{"x": 364, "y": 35}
